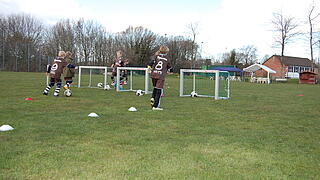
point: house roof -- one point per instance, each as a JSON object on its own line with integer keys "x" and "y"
{"x": 255, "y": 67}
{"x": 295, "y": 61}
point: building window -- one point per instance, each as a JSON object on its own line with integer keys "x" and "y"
{"x": 302, "y": 69}
{"x": 290, "y": 69}
{"x": 307, "y": 69}
{"x": 296, "y": 69}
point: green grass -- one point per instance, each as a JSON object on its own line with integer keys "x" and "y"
{"x": 262, "y": 132}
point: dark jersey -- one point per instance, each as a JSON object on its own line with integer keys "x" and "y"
{"x": 160, "y": 65}
{"x": 118, "y": 63}
{"x": 57, "y": 66}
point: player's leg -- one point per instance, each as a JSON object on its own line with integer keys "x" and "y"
{"x": 157, "y": 99}
{"x": 68, "y": 82}
{"x": 153, "y": 95}
{"x": 57, "y": 90}
{"x": 50, "y": 85}
{"x": 125, "y": 76}
{"x": 112, "y": 78}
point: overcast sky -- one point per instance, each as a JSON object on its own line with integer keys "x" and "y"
{"x": 223, "y": 24}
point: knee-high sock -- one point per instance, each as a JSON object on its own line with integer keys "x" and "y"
{"x": 157, "y": 97}
{"x": 56, "y": 92}
{"x": 47, "y": 89}
{"x": 154, "y": 93}
{"x": 68, "y": 83}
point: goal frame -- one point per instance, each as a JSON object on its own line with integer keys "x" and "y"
{"x": 90, "y": 74}
{"x": 146, "y": 85}
{"x": 217, "y": 82}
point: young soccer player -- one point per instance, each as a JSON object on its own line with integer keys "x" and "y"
{"x": 68, "y": 73}
{"x": 54, "y": 71}
{"x": 159, "y": 65}
{"x": 120, "y": 61}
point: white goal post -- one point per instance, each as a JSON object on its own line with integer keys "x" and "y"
{"x": 90, "y": 76}
{"x": 216, "y": 83}
{"x": 134, "y": 83}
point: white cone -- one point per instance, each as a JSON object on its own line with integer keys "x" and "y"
{"x": 132, "y": 109}
{"x": 6, "y": 128}
{"x": 93, "y": 115}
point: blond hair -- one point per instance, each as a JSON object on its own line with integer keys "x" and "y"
{"x": 62, "y": 54}
{"x": 119, "y": 53}
{"x": 164, "y": 49}
{"x": 68, "y": 54}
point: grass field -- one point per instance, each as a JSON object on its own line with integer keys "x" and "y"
{"x": 262, "y": 132}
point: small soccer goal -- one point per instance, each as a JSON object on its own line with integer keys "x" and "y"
{"x": 93, "y": 76}
{"x": 133, "y": 79}
{"x": 205, "y": 83}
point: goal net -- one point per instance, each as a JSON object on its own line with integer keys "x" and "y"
{"x": 94, "y": 76}
{"x": 205, "y": 83}
{"x": 133, "y": 79}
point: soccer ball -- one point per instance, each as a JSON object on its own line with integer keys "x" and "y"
{"x": 194, "y": 94}
{"x": 107, "y": 87}
{"x": 67, "y": 93}
{"x": 100, "y": 85}
{"x": 139, "y": 92}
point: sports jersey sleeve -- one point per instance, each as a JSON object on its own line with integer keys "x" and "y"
{"x": 152, "y": 61}
{"x": 48, "y": 68}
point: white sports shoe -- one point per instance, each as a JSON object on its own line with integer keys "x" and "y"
{"x": 156, "y": 109}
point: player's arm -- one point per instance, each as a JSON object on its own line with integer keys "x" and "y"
{"x": 48, "y": 69}
{"x": 126, "y": 62}
{"x": 71, "y": 66}
{"x": 150, "y": 64}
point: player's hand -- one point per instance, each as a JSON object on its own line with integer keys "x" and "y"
{"x": 149, "y": 69}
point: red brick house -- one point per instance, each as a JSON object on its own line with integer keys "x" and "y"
{"x": 287, "y": 66}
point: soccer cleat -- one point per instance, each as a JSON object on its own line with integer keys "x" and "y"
{"x": 152, "y": 101}
{"x": 66, "y": 87}
{"x": 56, "y": 94}
{"x": 156, "y": 109}
{"x": 45, "y": 93}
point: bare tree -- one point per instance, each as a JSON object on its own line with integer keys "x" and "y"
{"x": 139, "y": 44}
{"x": 193, "y": 29}
{"x": 180, "y": 52}
{"x": 230, "y": 58}
{"x": 311, "y": 18}
{"x": 247, "y": 55}
{"x": 22, "y": 34}
{"x": 285, "y": 27}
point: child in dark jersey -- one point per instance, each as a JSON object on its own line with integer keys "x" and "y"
{"x": 159, "y": 65}
{"x": 54, "y": 71}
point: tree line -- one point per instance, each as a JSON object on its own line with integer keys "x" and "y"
{"x": 27, "y": 44}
